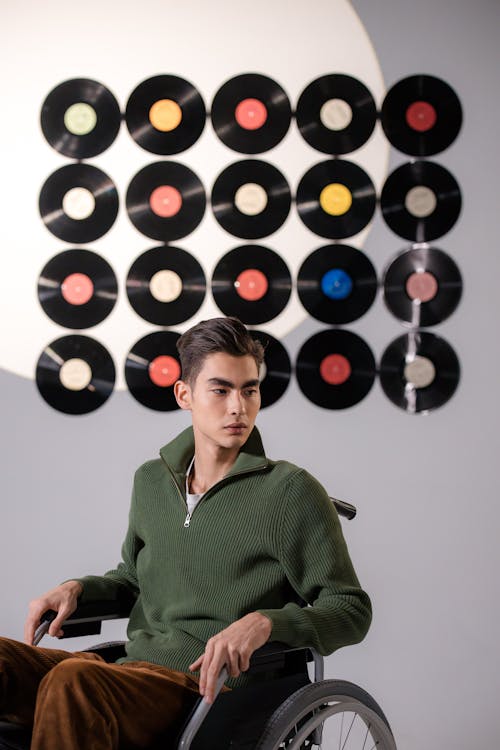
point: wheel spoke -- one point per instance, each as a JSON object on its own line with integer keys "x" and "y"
{"x": 349, "y": 731}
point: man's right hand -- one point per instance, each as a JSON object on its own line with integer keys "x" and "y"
{"x": 63, "y": 600}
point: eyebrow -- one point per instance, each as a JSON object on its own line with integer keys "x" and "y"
{"x": 228, "y": 384}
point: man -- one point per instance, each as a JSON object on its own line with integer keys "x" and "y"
{"x": 222, "y": 542}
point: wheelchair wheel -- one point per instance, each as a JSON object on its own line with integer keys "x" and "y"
{"x": 328, "y": 714}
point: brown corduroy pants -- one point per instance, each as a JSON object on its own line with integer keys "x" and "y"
{"x": 77, "y": 701}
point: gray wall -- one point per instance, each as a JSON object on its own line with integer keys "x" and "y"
{"x": 426, "y": 540}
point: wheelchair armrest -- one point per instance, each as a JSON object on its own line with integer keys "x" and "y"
{"x": 272, "y": 656}
{"x": 86, "y": 619}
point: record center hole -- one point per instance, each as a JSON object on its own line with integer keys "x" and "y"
{"x": 419, "y": 372}
{"x": 421, "y": 116}
{"x": 335, "y": 199}
{"x": 165, "y": 286}
{"x": 421, "y": 286}
{"x": 165, "y": 201}
{"x": 77, "y": 289}
{"x": 164, "y": 370}
{"x": 80, "y": 118}
{"x": 78, "y": 203}
{"x": 251, "y": 284}
{"x": 250, "y": 199}
{"x": 75, "y": 374}
{"x": 165, "y": 115}
{"x": 250, "y": 114}
{"x": 336, "y": 114}
{"x": 420, "y": 201}
{"x": 336, "y": 284}
{"x": 335, "y": 369}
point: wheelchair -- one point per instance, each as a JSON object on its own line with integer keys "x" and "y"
{"x": 282, "y": 708}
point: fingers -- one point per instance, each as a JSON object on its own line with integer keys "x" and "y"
{"x": 63, "y": 600}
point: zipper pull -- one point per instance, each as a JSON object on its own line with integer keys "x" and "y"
{"x": 187, "y": 520}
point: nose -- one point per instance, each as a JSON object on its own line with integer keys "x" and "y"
{"x": 236, "y": 403}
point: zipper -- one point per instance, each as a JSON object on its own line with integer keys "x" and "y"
{"x": 189, "y": 515}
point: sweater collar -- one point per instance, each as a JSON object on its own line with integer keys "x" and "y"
{"x": 178, "y": 453}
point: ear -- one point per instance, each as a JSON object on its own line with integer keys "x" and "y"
{"x": 182, "y": 393}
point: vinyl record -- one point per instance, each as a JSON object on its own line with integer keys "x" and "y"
{"x": 421, "y": 115}
{"x": 166, "y": 285}
{"x": 77, "y": 288}
{"x": 80, "y": 118}
{"x": 78, "y": 203}
{"x": 419, "y": 371}
{"x": 420, "y": 201}
{"x": 75, "y": 374}
{"x": 151, "y": 369}
{"x": 165, "y": 114}
{"x": 251, "y": 199}
{"x": 422, "y": 286}
{"x": 335, "y": 369}
{"x": 276, "y": 369}
{"x": 251, "y": 113}
{"x": 336, "y": 114}
{"x": 337, "y": 284}
{"x": 336, "y": 199}
{"x": 252, "y": 283}
{"x": 165, "y": 201}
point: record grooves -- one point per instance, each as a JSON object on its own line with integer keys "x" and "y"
{"x": 78, "y": 203}
{"x": 419, "y": 372}
{"x": 336, "y": 114}
{"x": 251, "y": 113}
{"x": 421, "y": 115}
{"x": 151, "y": 369}
{"x": 335, "y": 369}
{"x": 420, "y": 201}
{"x": 422, "y": 286}
{"x": 251, "y": 199}
{"x": 336, "y": 199}
{"x": 252, "y": 283}
{"x": 165, "y": 201}
{"x": 77, "y": 288}
{"x": 80, "y": 118}
{"x": 75, "y": 374}
{"x": 166, "y": 285}
{"x": 165, "y": 114}
{"x": 337, "y": 284}
{"x": 277, "y": 368}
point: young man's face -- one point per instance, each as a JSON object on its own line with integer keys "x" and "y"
{"x": 224, "y": 400}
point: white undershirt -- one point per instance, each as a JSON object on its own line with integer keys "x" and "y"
{"x": 192, "y": 500}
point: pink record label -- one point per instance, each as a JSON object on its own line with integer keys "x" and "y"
{"x": 421, "y": 287}
{"x": 251, "y": 284}
{"x": 77, "y": 289}
{"x": 164, "y": 370}
{"x": 251, "y": 114}
{"x": 165, "y": 201}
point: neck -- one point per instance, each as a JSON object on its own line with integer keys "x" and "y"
{"x": 211, "y": 464}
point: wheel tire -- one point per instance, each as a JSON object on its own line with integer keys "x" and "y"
{"x": 297, "y": 711}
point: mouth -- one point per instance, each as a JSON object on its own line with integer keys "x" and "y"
{"x": 236, "y": 427}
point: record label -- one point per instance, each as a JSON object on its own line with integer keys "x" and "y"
{"x": 151, "y": 369}
{"x": 420, "y": 201}
{"x": 165, "y": 115}
{"x": 335, "y": 369}
{"x": 422, "y": 286}
{"x": 421, "y": 115}
{"x": 77, "y": 288}
{"x": 336, "y": 199}
{"x": 252, "y": 283}
{"x": 336, "y": 114}
{"x": 80, "y": 118}
{"x": 75, "y": 374}
{"x": 337, "y": 284}
{"x": 419, "y": 372}
{"x": 78, "y": 203}
{"x": 251, "y": 113}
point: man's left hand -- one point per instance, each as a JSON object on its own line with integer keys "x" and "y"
{"x": 232, "y": 647}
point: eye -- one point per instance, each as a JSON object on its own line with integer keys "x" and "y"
{"x": 219, "y": 391}
{"x": 250, "y": 391}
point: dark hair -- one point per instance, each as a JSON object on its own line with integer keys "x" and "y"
{"x": 227, "y": 335}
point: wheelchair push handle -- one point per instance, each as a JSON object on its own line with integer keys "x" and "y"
{"x": 44, "y": 626}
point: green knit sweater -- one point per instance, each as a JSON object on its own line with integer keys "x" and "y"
{"x": 260, "y": 539}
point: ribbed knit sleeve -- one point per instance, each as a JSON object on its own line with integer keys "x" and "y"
{"x": 121, "y": 583}
{"x": 312, "y": 551}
